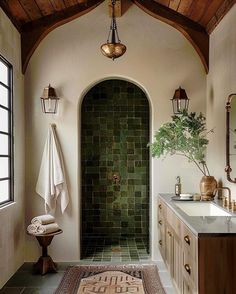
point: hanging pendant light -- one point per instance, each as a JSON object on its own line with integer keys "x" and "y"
{"x": 113, "y": 48}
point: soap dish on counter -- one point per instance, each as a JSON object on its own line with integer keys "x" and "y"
{"x": 186, "y": 196}
{"x": 183, "y": 197}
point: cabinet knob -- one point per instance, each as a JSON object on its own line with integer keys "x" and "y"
{"x": 169, "y": 233}
{"x": 187, "y": 239}
{"x": 160, "y": 207}
{"x": 160, "y": 222}
{"x": 160, "y": 242}
{"x": 187, "y": 268}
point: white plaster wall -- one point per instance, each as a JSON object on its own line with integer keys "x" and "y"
{"x": 221, "y": 82}
{"x": 158, "y": 58}
{"x": 12, "y": 233}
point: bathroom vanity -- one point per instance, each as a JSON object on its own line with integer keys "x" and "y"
{"x": 198, "y": 245}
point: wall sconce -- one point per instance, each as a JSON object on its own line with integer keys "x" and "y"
{"x": 180, "y": 101}
{"x": 49, "y": 100}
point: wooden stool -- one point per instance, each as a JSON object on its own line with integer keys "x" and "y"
{"x": 45, "y": 263}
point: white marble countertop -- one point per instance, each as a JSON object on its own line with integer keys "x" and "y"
{"x": 203, "y": 225}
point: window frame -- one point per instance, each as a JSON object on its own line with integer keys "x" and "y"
{"x": 10, "y": 154}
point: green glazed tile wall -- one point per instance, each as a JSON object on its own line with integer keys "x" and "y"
{"x": 115, "y": 133}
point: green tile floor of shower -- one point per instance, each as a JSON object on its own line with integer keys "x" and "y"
{"x": 121, "y": 249}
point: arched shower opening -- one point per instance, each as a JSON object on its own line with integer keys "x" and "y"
{"x": 115, "y": 172}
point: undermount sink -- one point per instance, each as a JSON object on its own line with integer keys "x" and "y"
{"x": 202, "y": 209}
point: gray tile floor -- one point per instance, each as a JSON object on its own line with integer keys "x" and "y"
{"x": 24, "y": 282}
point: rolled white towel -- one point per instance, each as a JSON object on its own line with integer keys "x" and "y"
{"x": 43, "y": 219}
{"x": 32, "y": 229}
{"x": 47, "y": 229}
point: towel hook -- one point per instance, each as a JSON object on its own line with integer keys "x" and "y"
{"x": 53, "y": 125}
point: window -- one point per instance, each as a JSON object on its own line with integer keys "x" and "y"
{"x": 6, "y": 133}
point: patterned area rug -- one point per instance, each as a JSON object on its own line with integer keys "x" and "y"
{"x": 108, "y": 279}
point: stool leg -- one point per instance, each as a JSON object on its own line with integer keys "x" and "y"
{"x": 45, "y": 263}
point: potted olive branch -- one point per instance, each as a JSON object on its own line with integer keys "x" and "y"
{"x": 186, "y": 135}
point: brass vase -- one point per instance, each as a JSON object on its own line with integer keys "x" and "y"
{"x": 208, "y": 185}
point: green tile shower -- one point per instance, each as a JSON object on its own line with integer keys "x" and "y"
{"x": 115, "y": 172}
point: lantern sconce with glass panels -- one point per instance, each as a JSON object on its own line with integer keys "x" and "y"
{"x": 49, "y": 100}
{"x": 180, "y": 101}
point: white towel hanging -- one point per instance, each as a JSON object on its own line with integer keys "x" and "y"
{"x": 52, "y": 180}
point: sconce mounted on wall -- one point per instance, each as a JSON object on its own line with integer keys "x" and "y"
{"x": 49, "y": 100}
{"x": 180, "y": 101}
{"x": 113, "y": 48}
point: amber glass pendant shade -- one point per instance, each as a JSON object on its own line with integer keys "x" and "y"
{"x": 113, "y": 50}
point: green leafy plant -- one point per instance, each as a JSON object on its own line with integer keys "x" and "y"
{"x": 185, "y": 135}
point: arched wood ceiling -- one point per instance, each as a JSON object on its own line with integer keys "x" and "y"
{"x": 193, "y": 31}
{"x": 196, "y": 19}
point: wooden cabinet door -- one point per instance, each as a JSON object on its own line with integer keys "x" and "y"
{"x": 173, "y": 257}
{"x": 187, "y": 289}
{"x": 161, "y": 227}
{"x": 177, "y": 264}
{"x": 169, "y": 249}
{"x": 161, "y": 237}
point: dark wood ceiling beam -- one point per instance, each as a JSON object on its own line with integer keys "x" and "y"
{"x": 193, "y": 31}
{"x": 164, "y": 2}
{"x": 121, "y": 6}
{"x": 165, "y": 13}
{"x": 33, "y": 32}
{"x": 117, "y": 8}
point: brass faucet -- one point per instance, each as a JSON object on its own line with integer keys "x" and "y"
{"x": 226, "y": 202}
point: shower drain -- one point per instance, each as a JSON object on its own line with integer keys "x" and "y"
{"x": 116, "y": 249}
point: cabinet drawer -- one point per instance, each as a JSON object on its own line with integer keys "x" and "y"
{"x": 161, "y": 235}
{"x": 161, "y": 209}
{"x": 173, "y": 220}
{"x": 189, "y": 241}
{"x": 190, "y": 269}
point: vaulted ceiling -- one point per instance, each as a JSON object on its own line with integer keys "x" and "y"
{"x": 196, "y": 19}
